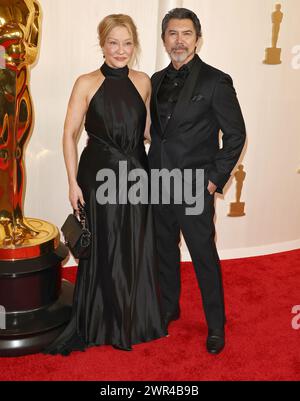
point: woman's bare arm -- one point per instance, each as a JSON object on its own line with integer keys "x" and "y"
{"x": 74, "y": 118}
{"x": 76, "y": 111}
{"x": 148, "y": 121}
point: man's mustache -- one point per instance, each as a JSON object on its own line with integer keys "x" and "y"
{"x": 179, "y": 48}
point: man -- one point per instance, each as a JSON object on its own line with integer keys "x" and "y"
{"x": 191, "y": 102}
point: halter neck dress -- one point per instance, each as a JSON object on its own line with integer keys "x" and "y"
{"x": 116, "y": 297}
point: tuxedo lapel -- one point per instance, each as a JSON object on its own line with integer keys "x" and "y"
{"x": 184, "y": 97}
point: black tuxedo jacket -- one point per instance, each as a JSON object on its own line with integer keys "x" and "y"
{"x": 206, "y": 105}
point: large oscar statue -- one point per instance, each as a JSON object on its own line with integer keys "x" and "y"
{"x": 35, "y": 303}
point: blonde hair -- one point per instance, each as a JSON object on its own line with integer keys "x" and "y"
{"x": 115, "y": 20}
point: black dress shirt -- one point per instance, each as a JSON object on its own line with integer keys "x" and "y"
{"x": 170, "y": 89}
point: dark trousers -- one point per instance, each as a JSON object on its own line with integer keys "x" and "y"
{"x": 199, "y": 234}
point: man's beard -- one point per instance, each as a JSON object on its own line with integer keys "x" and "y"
{"x": 179, "y": 58}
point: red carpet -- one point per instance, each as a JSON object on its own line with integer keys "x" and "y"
{"x": 261, "y": 343}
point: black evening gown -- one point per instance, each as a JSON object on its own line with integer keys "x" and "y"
{"x": 116, "y": 296}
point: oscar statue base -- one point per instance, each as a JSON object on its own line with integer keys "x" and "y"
{"x": 272, "y": 56}
{"x": 237, "y": 209}
{"x": 36, "y": 302}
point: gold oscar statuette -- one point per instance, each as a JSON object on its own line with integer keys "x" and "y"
{"x": 237, "y": 209}
{"x": 35, "y": 301}
{"x": 20, "y": 237}
{"x": 273, "y": 53}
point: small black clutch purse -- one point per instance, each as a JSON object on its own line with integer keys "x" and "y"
{"x": 77, "y": 235}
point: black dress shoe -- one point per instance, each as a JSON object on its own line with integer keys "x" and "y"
{"x": 215, "y": 341}
{"x": 170, "y": 316}
{"x": 120, "y": 348}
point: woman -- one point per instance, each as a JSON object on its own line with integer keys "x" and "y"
{"x": 116, "y": 293}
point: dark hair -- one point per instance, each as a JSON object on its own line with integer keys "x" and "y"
{"x": 181, "y": 13}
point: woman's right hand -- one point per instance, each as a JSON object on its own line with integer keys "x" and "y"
{"x": 75, "y": 195}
